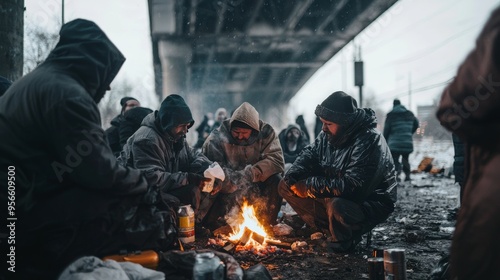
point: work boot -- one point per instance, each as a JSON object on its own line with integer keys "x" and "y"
{"x": 344, "y": 246}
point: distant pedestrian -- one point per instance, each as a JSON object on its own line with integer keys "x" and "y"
{"x": 400, "y": 125}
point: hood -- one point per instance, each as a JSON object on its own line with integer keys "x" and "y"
{"x": 399, "y": 109}
{"x": 246, "y": 114}
{"x": 364, "y": 118}
{"x": 85, "y": 52}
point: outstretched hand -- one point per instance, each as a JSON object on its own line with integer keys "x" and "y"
{"x": 217, "y": 187}
{"x": 300, "y": 189}
{"x": 197, "y": 180}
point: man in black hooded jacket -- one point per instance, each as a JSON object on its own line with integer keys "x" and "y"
{"x": 343, "y": 183}
{"x": 65, "y": 185}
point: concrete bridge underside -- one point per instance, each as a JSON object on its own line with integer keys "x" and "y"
{"x": 220, "y": 53}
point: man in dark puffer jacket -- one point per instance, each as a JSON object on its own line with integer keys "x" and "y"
{"x": 344, "y": 182}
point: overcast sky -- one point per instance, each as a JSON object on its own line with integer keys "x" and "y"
{"x": 417, "y": 44}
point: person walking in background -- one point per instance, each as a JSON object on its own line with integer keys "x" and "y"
{"x": 344, "y": 182}
{"x": 70, "y": 192}
{"x": 113, "y": 132}
{"x": 400, "y": 125}
{"x": 250, "y": 154}
{"x": 470, "y": 108}
{"x": 292, "y": 140}
{"x": 159, "y": 148}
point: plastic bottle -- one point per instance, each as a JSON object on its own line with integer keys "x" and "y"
{"x": 186, "y": 224}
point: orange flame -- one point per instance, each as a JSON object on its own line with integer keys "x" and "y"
{"x": 250, "y": 221}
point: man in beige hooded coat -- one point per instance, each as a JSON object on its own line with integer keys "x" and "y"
{"x": 249, "y": 151}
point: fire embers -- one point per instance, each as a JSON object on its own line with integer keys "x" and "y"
{"x": 249, "y": 236}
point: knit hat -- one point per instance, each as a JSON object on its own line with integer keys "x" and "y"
{"x": 396, "y": 102}
{"x": 173, "y": 112}
{"x": 339, "y": 108}
{"x": 124, "y": 100}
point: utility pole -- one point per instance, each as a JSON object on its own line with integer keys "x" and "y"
{"x": 62, "y": 13}
{"x": 409, "y": 91}
{"x": 358, "y": 75}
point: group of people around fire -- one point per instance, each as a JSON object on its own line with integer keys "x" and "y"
{"x": 75, "y": 183}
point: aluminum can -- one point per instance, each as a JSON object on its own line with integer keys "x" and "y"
{"x": 186, "y": 224}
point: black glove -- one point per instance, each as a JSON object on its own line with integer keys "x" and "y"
{"x": 197, "y": 180}
{"x": 300, "y": 189}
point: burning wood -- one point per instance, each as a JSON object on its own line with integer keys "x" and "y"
{"x": 251, "y": 235}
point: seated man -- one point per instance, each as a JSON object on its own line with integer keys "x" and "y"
{"x": 344, "y": 182}
{"x": 249, "y": 151}
{"x": 69, "y": 196}
{"x": 113, "y": 132}
{"x": 159, "y": 148}
{"x": 292, "y": 140}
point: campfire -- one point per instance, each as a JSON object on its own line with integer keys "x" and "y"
{"x": 250, "y": 235}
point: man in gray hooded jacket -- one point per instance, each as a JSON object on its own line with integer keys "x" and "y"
{"x": 159, "y": 148}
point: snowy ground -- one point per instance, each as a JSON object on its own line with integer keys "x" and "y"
{"x": 422, "y": 224}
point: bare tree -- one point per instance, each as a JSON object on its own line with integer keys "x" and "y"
{"x": 11, "y": 45}
{"x": 370, "y": 101}
{"x": 38, "y": 44}
{"x": 110, "y": 103}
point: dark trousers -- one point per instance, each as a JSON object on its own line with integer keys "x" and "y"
{"x": 263, "y": 196}
{"x": 343, "y": 218}
{"x": 404, "y": 162}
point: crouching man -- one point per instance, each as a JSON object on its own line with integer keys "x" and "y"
{"x": 344, "y": 182}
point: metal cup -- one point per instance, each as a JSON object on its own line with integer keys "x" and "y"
{"x": 395, "y": 264}
{"x": 376, "y": 268}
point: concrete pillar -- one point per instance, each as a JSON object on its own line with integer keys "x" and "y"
{"x": 175, "y": 57}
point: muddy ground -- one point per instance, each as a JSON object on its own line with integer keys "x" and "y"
{"x": 422, "y": 224}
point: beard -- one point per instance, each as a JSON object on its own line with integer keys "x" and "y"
{"x": 335, "y": 139}
{"x": 242, "y": 142}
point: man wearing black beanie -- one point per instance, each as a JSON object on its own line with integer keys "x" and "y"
{"x": 344, "y": 183}
{"x": 159, "y": 148}
{"x": 113, "y": 132}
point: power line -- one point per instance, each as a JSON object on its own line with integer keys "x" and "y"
{"x": 434, "y": 48}
{"x": 424, "y": 88}
{"x": 412, "y": 25}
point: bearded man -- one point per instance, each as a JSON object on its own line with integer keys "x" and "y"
{"x": 344, "y": 183}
